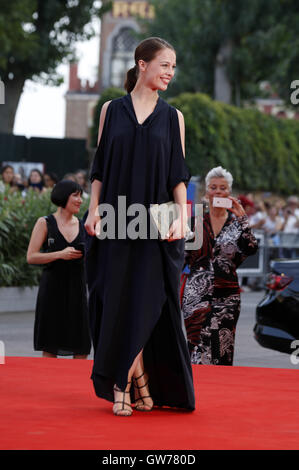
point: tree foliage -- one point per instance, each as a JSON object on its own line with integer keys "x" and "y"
{"x": 262, "y": 35}
{"x": 261, "y": 151}
{"x": 38, "y": 35}
{"x": 35, "y": 37}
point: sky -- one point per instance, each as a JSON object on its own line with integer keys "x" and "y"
{"x": 41, "y": 110}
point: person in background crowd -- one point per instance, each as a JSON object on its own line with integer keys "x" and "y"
{"x": 7, "y": 175}
{"x": 19, "y": 184}
{"x": 82, "y": 179}
{"x": 272, "y": 223}
{"x": 70, "y": 177}
{"x": 35, "y": 180}
{"x": 247, "y": 204}
{"x": 290, "y": 226}
{"x": 210, "y": 293}
{"x": 50, "y": 179}
{"x": 294, "y": 200}
{"x": 291, "y": 216}
{"x": 256, "y": 219}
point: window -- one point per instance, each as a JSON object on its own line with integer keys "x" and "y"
{"x": 122, "y": 59}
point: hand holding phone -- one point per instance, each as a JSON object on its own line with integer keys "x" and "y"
{"x": 81, "y": 247}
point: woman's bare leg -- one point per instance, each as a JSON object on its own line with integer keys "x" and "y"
{"x": 124, "y": 396}
{"x": 144, "y": 401}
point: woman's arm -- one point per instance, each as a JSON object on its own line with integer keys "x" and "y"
{"x": 38, "y": 237}
{"x": 93, "y": 218}
{"x": 247, "y": 242}
{"x": 178, "y": 228}
{"x": 182, "y": 129}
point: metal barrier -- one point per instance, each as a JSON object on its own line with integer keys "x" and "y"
{"x": 282, "y": 245}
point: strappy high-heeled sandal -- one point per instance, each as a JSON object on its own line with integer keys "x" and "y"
{"x": 120, "y": 411}
{"x": 142, "y": 406}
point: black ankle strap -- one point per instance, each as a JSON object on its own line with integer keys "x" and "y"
{"x": 137, "y": 378}
{"x": 140, "y": 386}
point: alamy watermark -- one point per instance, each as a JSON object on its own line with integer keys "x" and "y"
{"x": 2, "y": 92}
{"x": 295, "y": 94}
{"x": 137, "y": 222}
{"x": 2, "y": 352}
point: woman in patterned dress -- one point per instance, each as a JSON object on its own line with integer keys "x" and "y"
{"x": 210, "y": 294}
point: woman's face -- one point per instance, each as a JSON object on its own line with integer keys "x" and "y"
{"x": 273, "y": 211}
{"x": 74, "y": 202}
{"x": 35, "y": 177}
{"x": 159, "y": 71}
{"x": 218, "y": 187}
{"x": 8, "y": 175}
{"x": 49, "y": 183}
{"x": 80, "y": 179}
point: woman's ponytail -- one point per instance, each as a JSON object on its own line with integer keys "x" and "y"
{"x": 131, "y": 79}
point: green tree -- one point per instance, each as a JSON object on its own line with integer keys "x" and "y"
{"x": 288, "y": 52}
{"x": 225, "y": 48}
{"x": 261, "y": 151}
{"x": 35, "y": 37}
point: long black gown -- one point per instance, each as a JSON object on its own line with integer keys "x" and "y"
{"x": 134, "y": 284}
{"x": 61, "y": 318}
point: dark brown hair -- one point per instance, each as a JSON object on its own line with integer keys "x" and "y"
{"x": 146, "y": 50}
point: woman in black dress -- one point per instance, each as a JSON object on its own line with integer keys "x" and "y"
{"x": 210, "y": 293}
{"x": 136, "y": 322}
{"x": 61, "y": 318}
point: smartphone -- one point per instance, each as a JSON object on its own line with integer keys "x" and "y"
{"x": 222, "y": 202}
{"x": 80, "y": 247}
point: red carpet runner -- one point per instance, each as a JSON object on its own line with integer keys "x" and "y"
{"x": 50, "y": 404}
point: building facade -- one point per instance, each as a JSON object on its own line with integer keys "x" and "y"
{"x": 118, "y": 40}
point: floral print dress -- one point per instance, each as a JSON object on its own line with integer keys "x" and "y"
{"x": 210, "y": 293}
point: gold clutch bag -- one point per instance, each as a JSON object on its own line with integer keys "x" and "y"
{"x": 163, "y": 216}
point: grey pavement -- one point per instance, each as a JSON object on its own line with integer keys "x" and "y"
{"x": 16, "y": 332}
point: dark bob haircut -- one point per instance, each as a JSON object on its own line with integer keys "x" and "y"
{"x": 62, "y": 191}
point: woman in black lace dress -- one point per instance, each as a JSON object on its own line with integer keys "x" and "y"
{"x": 210, "y": 294}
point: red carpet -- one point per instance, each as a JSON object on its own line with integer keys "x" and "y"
{"x": 50, "y": 404}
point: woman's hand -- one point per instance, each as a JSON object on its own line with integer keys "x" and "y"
{"x": 93, "y": 224}
{"x": 177, "y": 230}
{"x": 237, "y": 207}
{"x": 70, "y": 253}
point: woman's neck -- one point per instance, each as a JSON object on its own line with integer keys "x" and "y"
{"x": 64, "y": 215}
{"x": 144, "y": 93}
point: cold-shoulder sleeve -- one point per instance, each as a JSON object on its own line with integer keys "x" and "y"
{"x": 178, "y": 169}
{"x": 97, "y": 168}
